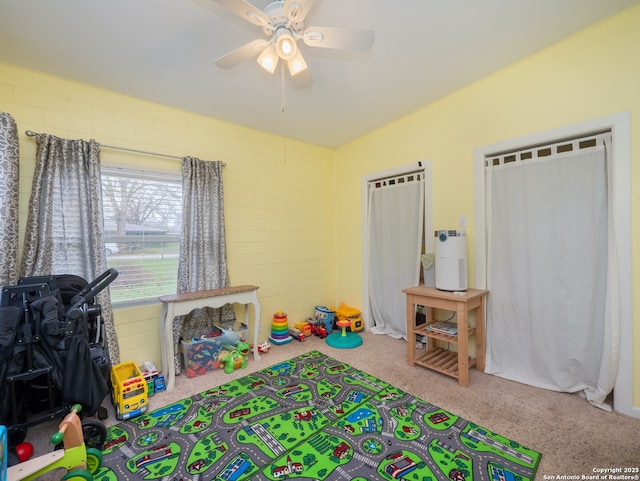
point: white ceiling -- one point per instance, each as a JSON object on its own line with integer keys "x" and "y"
{"x": 163, "y": 50}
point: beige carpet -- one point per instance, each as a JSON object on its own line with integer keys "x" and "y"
{"x": 573, "y": 437}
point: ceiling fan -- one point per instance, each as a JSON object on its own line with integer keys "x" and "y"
{"x": 282, "y": 22}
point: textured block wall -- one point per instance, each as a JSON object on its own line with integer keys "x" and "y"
{"x": 280, "y": 197}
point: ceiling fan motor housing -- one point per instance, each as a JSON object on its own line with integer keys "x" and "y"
{"x": 278, "y": 19}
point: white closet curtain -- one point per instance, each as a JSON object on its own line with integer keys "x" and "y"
{"x": 552, "y": 269}
{"x": 396, "y": 219}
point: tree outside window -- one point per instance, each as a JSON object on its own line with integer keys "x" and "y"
{"x": 143, "y": 215}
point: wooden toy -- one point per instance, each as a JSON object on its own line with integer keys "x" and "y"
{"x": 80, "y": 462}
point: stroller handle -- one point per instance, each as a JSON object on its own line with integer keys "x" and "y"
{"x": 94, "y": 287}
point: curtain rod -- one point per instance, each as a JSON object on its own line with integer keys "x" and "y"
{"x": 31, "y": 133}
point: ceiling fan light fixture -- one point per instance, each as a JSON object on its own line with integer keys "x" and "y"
{"x": 285, "y": 44}
{"x": 283, "y": 24}
{"x": 268, "y": 59}
{"x": 296, "y": 64}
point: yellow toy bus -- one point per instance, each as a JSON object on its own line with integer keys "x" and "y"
{"x": 130, "y": 394}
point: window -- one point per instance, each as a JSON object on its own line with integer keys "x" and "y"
{"x": 142, "y": 216}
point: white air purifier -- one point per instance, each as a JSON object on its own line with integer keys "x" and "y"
{"x": 451, "y": 260}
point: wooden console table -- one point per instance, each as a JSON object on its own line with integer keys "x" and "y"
{"x": 447, "y": 362}
{"x": 181, "y": 304}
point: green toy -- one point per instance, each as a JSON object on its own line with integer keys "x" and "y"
{"x": 80, "y": 462}
{"x": 237, "y": 358}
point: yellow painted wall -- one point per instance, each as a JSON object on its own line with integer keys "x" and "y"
{"x": 302, "y": 252}
{"x": 592, "y": 74}
{"x": 280, "y": 237}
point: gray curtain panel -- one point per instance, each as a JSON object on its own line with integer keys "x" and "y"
{"x": 203, "y": 248}
{"x": 65, "y": 226}
{"x": 9, "y": 187}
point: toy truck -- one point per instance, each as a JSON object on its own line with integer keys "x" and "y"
{"x": 296, "y": 334}
{"x": 304, "y": 326}
{"x": 352, "y": 315}
{"x": 319, "y": 330}
{"x": 130, "y": 392}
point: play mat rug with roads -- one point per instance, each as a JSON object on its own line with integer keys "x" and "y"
{"x": 309, "y": 418}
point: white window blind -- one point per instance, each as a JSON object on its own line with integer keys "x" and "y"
{"x": 143, "y": 215}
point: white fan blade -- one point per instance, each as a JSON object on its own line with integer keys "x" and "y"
{"x": 296, "y": 10}
{"x": 245, "y": 10}
{"x": 339, "y": 38}
{"x": 241, "y": 54}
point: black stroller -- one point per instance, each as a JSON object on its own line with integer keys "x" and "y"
{"x": 52, "y": 352}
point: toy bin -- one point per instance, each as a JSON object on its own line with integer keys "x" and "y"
{"x": 200, "y": 356}
{"x": 325, "y": 316}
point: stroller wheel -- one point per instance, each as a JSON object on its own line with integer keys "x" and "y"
{"x": 94, "y": 433}
{"x": 17, "y": 435}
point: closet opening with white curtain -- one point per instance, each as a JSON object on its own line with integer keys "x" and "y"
{"x": 549, "y": 254}
{"x": 396, "y": 215}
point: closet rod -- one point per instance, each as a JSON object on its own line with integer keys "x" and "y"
{"x": 31, "y": 133}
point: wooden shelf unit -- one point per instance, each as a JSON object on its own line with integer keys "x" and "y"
{"x": 454, "y": 364}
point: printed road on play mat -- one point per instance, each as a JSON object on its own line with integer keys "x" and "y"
{"x": 309, "y": 418}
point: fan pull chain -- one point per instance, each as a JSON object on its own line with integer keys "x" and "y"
{"x": 283, "y": 89}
